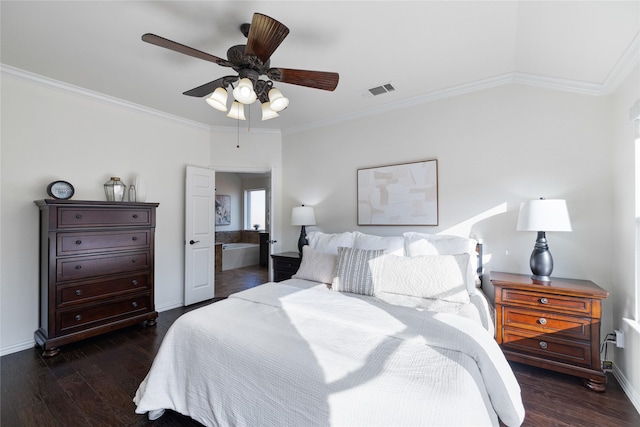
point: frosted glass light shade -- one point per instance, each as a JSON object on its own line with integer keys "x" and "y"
{"x": 267, "y": 112}
{"x": 303, "y": 215}
{"x": 277, "y": 100}
{"x": 244, "y": 92}
{"x": 236, "y": 111}
{"x": 544, "y": 215}
{"x": 218, "y": 99}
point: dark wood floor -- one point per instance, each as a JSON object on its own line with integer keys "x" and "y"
{"x": 91, "y": 383}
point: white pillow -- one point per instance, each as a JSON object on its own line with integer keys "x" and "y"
{"x": 392, "y": 244}
{"x": 329, "y": 243}
{"x": 355, "y": 270}
{"x": 441, "y": 277}
{"x": 418, "y": 244}
{"x": 316, "y": 266}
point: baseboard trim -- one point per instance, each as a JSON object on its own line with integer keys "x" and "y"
{"x": 17, "y": 347}
{"x": 631, "y": 393}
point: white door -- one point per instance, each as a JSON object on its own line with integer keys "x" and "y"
{"x": 199, "y": 247}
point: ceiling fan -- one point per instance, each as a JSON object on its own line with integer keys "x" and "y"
{"x": 252, "y": 64}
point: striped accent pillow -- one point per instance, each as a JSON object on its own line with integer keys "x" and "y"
{"x": 355, "y": 269}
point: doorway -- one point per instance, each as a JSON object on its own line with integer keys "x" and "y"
{"x": 248, "y": 192}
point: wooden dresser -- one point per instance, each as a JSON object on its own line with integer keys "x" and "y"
{"x": 96, "y": 269}
{"x": 553, "y": 325}
{"x": 285, "y": 265}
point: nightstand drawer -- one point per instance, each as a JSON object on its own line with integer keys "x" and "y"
{"x": 547, "y": 301}
{"x": 286, "y": 265}
{"x": 547, "y": 346}
{"x": 547, "y": 322}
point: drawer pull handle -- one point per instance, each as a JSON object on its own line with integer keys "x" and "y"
{"x": 133, "y": 260}
{"x": 78, "y": 292}
{"x": 78, "y": 216}
{"x": 543, "y": 344}
{"x": 78, "y": 317}
{"x": 134, "y": 304}
{"x": 78, "y": 242}
{"x": 542, "y": 321}
{"x": 134, "y": 282}
{"x": 544, "y": 301}
{"x": 78, "y": 267}
{"x": 134, "y": 238}
{"x": 135, "y": 215}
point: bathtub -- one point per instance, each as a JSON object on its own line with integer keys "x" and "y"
{"x": 236, "y": 255}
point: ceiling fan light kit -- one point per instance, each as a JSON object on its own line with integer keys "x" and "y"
{"x": 218, "y": 99}
{"x": 251, "y": 61}
{"x": 237, "y": 111}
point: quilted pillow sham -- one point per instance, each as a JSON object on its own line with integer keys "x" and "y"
{"x": 329, "y": 243}
{"x": 354, "y": 271}
{"x": 316, "y": 266}
{"x": 441, "y": 277}
{"x": 418, "y": 244}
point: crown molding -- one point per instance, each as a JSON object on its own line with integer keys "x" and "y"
{"x": 629, "y": 59}
{"x": 101, "y": 97}
{"x": 107, "y": 99}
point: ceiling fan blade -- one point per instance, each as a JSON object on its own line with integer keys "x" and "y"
{"x": 206, "y": 88}
{"x": 265, "y": 35}
{"x": 316, "y": 79}
{"x": 177, "y": 47}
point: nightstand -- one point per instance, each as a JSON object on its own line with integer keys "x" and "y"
{"x": 553, "y": 325}
{"x": 285, "y": 265}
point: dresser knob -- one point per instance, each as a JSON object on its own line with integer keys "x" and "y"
{"x": 543, "y": 344}
{"x": 78, "y": 242}
{"x": 544, "y": 301}
{"x": 134, "y": 238}
{"x": 78, "y": 267}
{"x": 134, "y": 282}
{"x": 78, "y": 317}
{"x": 78, "y": 292}
{"x": 542, "y": 321}
{"x": 134, "y": 304}
{"x": 78, "y": 216}
{"x": 135, "y": 215}
{"x": 133, "y": 260}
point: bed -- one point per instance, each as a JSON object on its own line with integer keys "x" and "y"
{"x": 400, "y": 336}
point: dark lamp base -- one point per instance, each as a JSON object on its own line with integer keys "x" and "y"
{"x": 541, "y": 278}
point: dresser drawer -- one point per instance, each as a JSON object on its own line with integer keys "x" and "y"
{"x": 81, "y": 268}
{"x": 80, "y": 293}
{"x": 546, "y": 346}
{"x": 562, "y": 303}
{"x": 81, "y": 318}
{"x": 547, "y": 322}
{"x": 75, "y": 243}
{"x": 103, "y": 217}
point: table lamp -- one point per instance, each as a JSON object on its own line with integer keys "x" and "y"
{"x": 543, "y": 215}
{"x": 303, "y": 216}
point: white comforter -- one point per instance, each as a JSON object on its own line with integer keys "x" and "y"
{"x": 280, "y": 355}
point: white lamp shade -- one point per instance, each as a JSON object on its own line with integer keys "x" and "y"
{"x": 303, "y": 215}
{"x": 244, "y": 92}
{"x": 277, "y": 100}
{"x": 218, "y": 99}
{"x": 544, "y": 215}
{"x": 236, "y": 111}
{"x": 267, "y": 112}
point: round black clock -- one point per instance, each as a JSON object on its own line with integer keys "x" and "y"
{"x": 60, "y": 190}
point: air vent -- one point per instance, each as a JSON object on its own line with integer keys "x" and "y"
{"x": 378, "y": 90}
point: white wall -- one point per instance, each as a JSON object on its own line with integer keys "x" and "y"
{"x": 50, "y": 134}
{"x": 495, "y": 148}
{"x": 625, "y": 258}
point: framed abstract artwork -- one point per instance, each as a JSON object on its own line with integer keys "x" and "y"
{"x": 401, "y": 194}
{"x": 223, "y": 210}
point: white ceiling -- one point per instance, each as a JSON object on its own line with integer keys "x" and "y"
{"x": 426, "y": 49}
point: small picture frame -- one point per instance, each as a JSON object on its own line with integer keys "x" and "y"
{"x": 223, "y": 210}
{"x": 400, "y": 194}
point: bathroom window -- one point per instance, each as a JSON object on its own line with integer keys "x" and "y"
{"x": 255, "y": 209}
